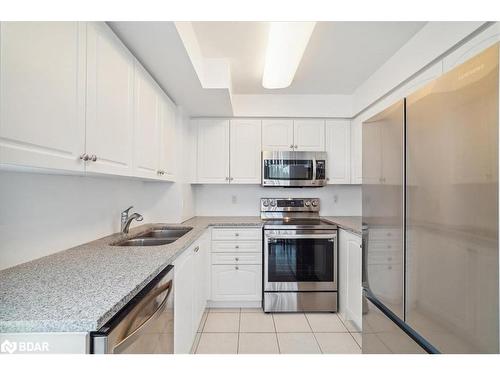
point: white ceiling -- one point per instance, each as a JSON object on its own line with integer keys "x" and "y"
{"x": 339, "y": 57}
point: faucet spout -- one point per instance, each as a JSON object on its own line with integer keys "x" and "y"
{"x": 127, "y": 219}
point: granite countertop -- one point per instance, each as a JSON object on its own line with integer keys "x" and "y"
{"x": 80, "y": 289}
{"x": 350, "y": 223}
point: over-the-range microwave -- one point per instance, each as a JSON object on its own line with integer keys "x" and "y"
{"x": 293, "y": 168}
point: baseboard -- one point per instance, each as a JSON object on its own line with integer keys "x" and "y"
{"x": 234, "y": 304}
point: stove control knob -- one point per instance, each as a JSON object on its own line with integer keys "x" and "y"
{"x": 315, "y": 203}
{"x": 272, "y": 202}
{"x": 307, "y": 203}
{"x": 265, "y": 203}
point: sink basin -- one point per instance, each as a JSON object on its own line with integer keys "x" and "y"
{"x": 165, "y": 233}
{"x": 155, "y": 237}
{"x": 145, "y": 242}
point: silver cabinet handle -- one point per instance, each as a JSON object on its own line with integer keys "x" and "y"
{"x": 296, "y": 146}
{"x": 196, "y": 249}
{"x": 84, "y": 157}
{"x": 237, "y": 247}
{"x": 291, "y": 146}
{"x": 236, "y": 259}
{"x": 236, "y": 267}
{"x": 93, "y": 158}
{"x": 227, "y": 178}
{"x": 231, "y": 178}
{"x": 237, "y": 234}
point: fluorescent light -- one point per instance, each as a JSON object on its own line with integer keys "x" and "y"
{"x": 285, "y": 47}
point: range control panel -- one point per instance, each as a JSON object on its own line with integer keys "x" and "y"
{"x": 289, "y": 204}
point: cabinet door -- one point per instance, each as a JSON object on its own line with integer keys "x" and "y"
{"x": 213, "y": 151}
{"x": 245, "y": 146}
{"x": 354, "y": 291}
{"x": 183, "y": 302}
{"x": 42, "y": 94}
{"x": 356, "y": 152}
{"x": 146, "y": 124}
{"x": 236, "y": 282}
{"x": 167, "y": 139}
{"x": 338, "y": 148}
{"x": 110, "y": 86}
{"x": 309, "y": 135}
{"x": 277, "y": 135}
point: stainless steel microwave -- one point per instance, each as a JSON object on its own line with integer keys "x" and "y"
{"x": 293, "y": 168}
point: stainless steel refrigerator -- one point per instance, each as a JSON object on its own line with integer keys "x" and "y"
{"x": 430, "y": 217}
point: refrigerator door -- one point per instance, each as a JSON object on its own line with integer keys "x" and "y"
{"x": 382, "y": 196}
{"x": 452, "y": 208}
{"x": 381, "y": 335}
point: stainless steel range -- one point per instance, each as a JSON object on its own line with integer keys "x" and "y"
{"x": 300, "y": 256}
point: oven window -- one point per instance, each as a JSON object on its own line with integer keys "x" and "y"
{"x": 288, "y": 169}
{"x": 296, "y": 260}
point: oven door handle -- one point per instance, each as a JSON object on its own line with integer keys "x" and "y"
{"x": 330, "y": 236}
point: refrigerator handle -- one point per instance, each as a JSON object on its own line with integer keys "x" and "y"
{"x": 364, "y": 257}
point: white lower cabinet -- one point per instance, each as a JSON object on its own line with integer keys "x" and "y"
{"x": 236, "y": 271}
{"x": 236, "y": 282}
{"x": 350, "y": 288}
{"x": 190, "y": 292}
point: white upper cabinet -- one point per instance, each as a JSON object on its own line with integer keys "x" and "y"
{"x": 213, "y": 151}
{"x": 167, "y": 159}
{"x": 356, "y": 151}
{"x": 146, "y": 125}
{"x": 293, "y": 135}
{"x": 42, "y": 94}
{"x": 309, "y": 135}
{"x": 338, "y": 148}
{"x": 277, "y": 135}
{"x": 110, "y": 93}
{"x": 245, "y": 146}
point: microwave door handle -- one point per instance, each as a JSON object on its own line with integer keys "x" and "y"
{"x": 314, "y": 169}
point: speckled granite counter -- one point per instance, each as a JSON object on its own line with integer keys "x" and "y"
{"x": 350, "y": 223}
{"x": 80, "y": 289}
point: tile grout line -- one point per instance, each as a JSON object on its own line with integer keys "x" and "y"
{"x": 239, "y": 329}
{"x": 276, "y": 334}
{"x": 350, "y": 333}
{"x": 314, "y": 334}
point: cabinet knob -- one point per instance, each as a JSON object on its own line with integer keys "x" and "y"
{"x": 237, "y": 234}
{"x": 84, "y": 157}
{"x": 196, "y": 249}
{"x": 227, "y": 178}
{"x": 93, "y": 158}
{"x": 296, "y": 146}
{"x": 291, "y": 146}
{"x": 237, "y": 247}
{"x": 236, "y": 267}
{"x": 236, "y": 259}
{"x": 231, "y": 178}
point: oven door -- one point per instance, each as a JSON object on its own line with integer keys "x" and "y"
{"x": 300, "y": 260}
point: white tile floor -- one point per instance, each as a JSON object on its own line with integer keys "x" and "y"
{"x": 251, "y": 331}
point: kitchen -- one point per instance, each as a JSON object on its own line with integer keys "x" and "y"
{"x": 156, "y": 198}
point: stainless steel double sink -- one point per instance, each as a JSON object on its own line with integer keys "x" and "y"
{"x": 155, "y": 237}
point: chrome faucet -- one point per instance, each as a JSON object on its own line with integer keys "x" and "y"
{"x": 126, "y": 219}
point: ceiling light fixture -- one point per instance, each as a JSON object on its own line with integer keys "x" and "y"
{"x": 286, "y": 44}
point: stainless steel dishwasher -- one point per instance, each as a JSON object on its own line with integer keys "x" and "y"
{"x": 145, "y": 325}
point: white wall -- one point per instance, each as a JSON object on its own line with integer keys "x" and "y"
{"x": 42, "y": 214}
{"x": 243, "y": 200}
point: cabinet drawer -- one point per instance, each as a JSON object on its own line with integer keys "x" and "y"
{"x": 384, "y": 234}
{"x": 237, "y": 258}
{"x": 390, "y": 245}
{"x": 385, "y": 257}
{"x": 236, "y": 234}
{"x": 237, "y": 283}
{"x": 236, "y": 246}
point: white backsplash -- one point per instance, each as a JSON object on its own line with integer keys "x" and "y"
{"x": 243, "y": 200}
